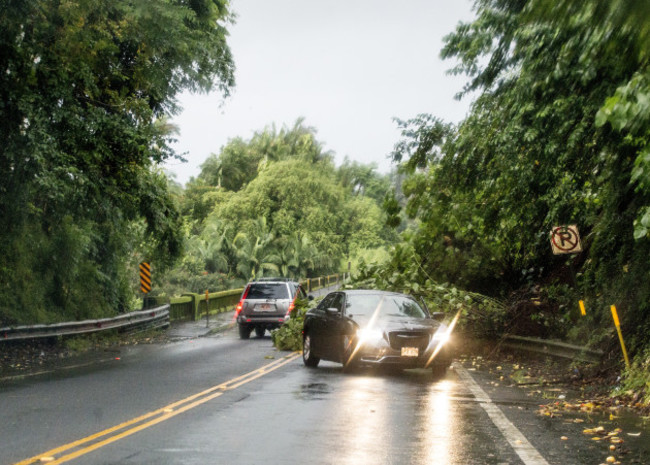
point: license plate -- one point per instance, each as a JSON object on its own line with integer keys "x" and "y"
{"x": 263, "y": 307}
{"x": 409, "y": 351}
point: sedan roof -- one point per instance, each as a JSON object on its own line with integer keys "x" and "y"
{"x": 370, "y": 292}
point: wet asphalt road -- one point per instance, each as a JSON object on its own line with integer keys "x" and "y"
{"x": 206, "y": 401}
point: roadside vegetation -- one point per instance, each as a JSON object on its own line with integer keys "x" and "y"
{"x": 86, "y": 89}
{"x": 558, "y": 134}
{"x": 289, "y": 335}
{"x": 276, "y": 205}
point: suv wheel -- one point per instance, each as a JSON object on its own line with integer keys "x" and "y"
{"x": 308, "y": 357}
{"x": 244, "y": 332}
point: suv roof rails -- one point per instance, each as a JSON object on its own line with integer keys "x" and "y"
{"x": 274, "y": 279}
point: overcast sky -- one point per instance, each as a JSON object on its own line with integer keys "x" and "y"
{"x": 347, "y": 66}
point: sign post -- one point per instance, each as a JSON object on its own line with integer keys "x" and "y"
{"x": 145, "y": 277}
{"x": 566, "y": 240}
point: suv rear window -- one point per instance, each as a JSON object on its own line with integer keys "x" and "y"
{"x": 268, "y": 291}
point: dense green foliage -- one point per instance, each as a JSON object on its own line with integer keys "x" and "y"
{"x": 85, "y": 89}
{"x": 276, "y": 205}
{"x": 557, "y": 134}
{"x": 289, "y": 335}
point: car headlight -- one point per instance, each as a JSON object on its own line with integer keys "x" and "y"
{"x": 369, "y": 335}
{"x": 441, "y": 337}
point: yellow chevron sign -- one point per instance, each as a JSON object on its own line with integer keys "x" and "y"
{"x": 145, "y": 277}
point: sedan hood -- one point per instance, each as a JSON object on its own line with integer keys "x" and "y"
{"x": 400, "y": 324}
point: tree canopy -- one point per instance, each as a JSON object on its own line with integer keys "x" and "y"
{"x": 86, "y": 87}
{"x": 277, "y": 205}
{"x": 557, "y": 135}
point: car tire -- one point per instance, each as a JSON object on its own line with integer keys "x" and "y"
{"x": 244, "y": 332}
{"x": 259, "y": 331}
{"x": 439, "y": 370}
{"x": 350, "y": 363}
{"x": 308, "y": 357}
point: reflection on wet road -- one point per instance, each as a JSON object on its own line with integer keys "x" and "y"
{"x": 376, "y": 432}
{"x": 289, "y": 415}
{"x": 437, "y": 421}
{"x": 401, "y": 418}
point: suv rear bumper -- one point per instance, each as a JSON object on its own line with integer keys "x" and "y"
{"x": 265, "y": 320}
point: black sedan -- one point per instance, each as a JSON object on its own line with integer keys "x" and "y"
{"x": 367, "y": 327}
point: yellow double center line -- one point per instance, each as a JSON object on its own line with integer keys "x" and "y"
{"x": 115, "y": 433}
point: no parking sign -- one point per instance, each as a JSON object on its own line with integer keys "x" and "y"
{"x": 565, "y": 239}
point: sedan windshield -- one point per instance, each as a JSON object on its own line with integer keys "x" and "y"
{"x": 394, "y": 306}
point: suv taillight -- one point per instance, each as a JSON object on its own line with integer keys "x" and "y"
{"x": 292, "y": 305}
{"x": 240, "y": 305}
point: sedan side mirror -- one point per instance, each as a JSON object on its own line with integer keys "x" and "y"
{"x": 438, "y": 316}
{"x": 333, "y": 312}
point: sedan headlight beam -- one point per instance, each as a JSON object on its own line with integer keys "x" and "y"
{"x": 443, "y": 339}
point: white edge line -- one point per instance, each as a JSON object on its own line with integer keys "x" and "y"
{"x": 524, "y": 449}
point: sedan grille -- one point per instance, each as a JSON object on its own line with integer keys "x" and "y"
{"x": 399, "y": 339}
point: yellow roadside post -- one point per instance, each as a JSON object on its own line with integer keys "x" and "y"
{"x": 583, "y": 311}
{"x": 617, "y": 323}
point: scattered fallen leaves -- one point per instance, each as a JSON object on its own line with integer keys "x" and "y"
{"x": 586, "y": 406}
{"x": 604, "y": 435}
{"x": 598, "y": 429}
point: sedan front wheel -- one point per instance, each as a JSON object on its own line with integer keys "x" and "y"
{"x": 348, "y": 357}
{"x": 439, "y": 370}
{"x": 308, "y": 357}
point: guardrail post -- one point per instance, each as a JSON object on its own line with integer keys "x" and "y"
{"x": 195, "y": 315}
{"x": 148, "y": 302}
{"x": 207, "y": 309}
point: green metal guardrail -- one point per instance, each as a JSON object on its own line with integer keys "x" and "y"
{"x": 552, "y": 348}
{"x": 157, "y": 317}
{"x": 192, "y": 306}
{"x": 156, "y": 312}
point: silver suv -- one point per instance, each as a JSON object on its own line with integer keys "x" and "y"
{"x": 266, "y": 304}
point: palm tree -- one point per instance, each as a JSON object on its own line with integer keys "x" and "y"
{"x": 255, "y": 255}
{"x": 255, "y": 251}
{"x": 213, "y": 246}
{"x": 306, "y": 258}
{"x": 209, "y": 254}
{"x": 288, "y": 260}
